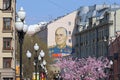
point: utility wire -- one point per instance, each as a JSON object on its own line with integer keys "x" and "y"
{"x": 57, "y": 5}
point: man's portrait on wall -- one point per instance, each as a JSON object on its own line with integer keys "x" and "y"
{"x": 61, "y": 48}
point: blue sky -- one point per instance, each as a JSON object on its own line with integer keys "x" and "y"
{"x": 47, "y": 10}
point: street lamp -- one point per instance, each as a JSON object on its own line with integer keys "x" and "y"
{"x": 28, "y": 54}
{"x": 44, "y": 62}
{"x": 110, "y": 71}
{"x": 38, "y": 59}
{"x": 111, "y": 62}
{"x": 21, "y": 28}
{"x": 42, "y": 54}
{"x": 36, "y": 48}
{"x": 44, "y": 68}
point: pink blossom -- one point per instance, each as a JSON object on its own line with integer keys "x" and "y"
{"x": 90, "y": 68}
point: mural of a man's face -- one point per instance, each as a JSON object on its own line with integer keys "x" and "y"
{"x": 61, "y": 36}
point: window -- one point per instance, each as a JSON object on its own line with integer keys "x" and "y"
{"x": 7, "y": 24}
{"x": 7, "y": 43}
{"x": 69, "y": 23}
{"x": 106, "y": 16}
{"x": 70, "y": 41}
{"x": 7, "y": 4}
{"x": 90, "y": 22}
{"x": 69, "y": 32}
{"x": 7, "y": 62}
{"x": 8, "y": 78}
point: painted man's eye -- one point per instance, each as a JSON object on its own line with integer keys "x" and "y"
{"x": 61, "y": 34}
{"x": 56, "y": 34}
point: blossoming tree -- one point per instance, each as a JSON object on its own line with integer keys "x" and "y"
{"x": 90, "y": 68}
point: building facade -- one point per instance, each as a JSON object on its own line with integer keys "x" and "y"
{"x": 7, "y": 39}
{"x": 65, "y": 22}
{"x": 115, "y": 56}
{"x": 55, "y": 31}
{"x": 94, "y": 26}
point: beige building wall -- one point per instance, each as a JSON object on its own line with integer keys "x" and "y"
{"x": 67, "y": 21}
{"x": 7, "y": 72}
{"x": 118, "y": 20}
{"x": 111, "y": 28}
{"x": 115, "y": 17}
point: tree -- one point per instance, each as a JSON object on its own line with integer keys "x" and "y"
{"x": 28, "y": 44}
{"x": 90, "y": 68}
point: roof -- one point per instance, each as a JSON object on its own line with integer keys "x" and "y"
{"x": 95, "y": 11}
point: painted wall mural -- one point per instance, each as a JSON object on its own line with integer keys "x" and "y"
{"x": 61, "y": 48}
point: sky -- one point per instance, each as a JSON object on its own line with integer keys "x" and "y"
{"x": 48, "y": 10}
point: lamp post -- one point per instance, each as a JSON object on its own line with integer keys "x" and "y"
{"x": 44, "y": 68}
{"x": 41, "y": 61}
{"x": 21, "y": 28}
{"x": 38, "y": 59}
{"x": 36, "y": 48}
{"x": 110, "y": 70}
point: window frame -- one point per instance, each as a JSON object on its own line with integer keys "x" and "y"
{"x": 7, "y": 24}
{"x": 69, "y": 32}
{"x": 7, "y": 62}
{"x": 7, "y": 5}
{"x": 7, "y": 41}
{"x": 69, "y": 23}
{"x": 69, "y": 40}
